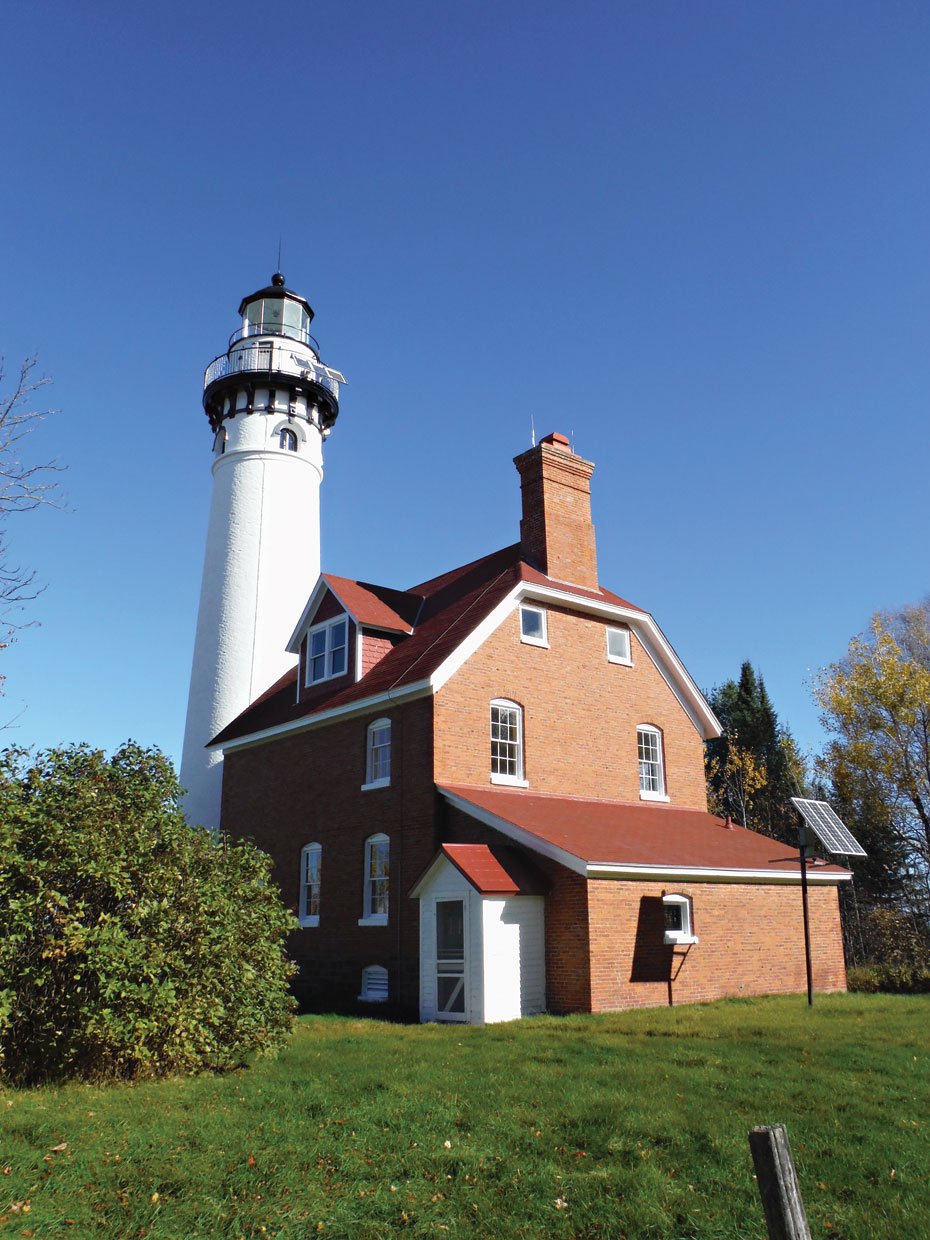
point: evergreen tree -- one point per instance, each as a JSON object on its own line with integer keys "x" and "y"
{"x": 753, "y": 768}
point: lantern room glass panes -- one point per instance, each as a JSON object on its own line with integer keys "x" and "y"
{"x": 278, "y": 316}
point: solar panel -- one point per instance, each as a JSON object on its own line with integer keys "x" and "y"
{"x": 828, "y": 828}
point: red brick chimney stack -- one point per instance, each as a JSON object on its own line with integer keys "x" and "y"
{"x": 556, "y": 530}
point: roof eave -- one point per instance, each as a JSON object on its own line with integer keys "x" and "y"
{"x": 307, "y": 723}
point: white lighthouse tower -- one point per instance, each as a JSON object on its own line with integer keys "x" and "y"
{"x": 271, "y": 403}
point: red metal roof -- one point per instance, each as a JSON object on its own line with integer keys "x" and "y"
{"x": 617, "y": 833}
{"x": 496, "y": 871}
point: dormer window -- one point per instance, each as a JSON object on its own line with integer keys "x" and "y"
{"x": 327, "y": 646}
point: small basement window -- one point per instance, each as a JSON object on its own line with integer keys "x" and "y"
{"x": 533, "y": 626}
{"x": 618, "y": 647}
{"x": 678, "y": 920}
{"x": 374, "y": 984}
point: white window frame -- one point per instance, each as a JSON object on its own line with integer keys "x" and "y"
{"x": 686, "y": 934}
{"x": 651, "y": 794}
{"x": 624, "y": 660}
{"x": 328, "y": 627}
{"x": 378, "y": 993}
{"x": 371, "y": 750}
{"x": 527, "y": 639}
{"x": 309, "y": 850}
{"x": 371, "y": 917}
{"x": 516, "y": 780}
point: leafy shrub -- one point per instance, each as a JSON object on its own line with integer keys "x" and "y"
{"x": 892, "y": 937}
{"x": 892, "y": 979}
{"x": 131, "y": 944}
{"x": 862, "y": 978}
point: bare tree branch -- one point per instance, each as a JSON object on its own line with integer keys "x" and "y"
{"x": 23, "y": 486}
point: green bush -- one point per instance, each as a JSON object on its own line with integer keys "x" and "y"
{"x": 893, "y": 937}
{"x": 131, "y": 944}
{"x": 892, "y": 979}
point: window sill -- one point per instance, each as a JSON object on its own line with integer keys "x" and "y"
{"x": 679, "y": 939}
{"x": 372, "y": 998}
{"x": 374, "y": 919}
{"x": 375, "y": 783}
{"x": 512, "y": 781}
{"x": 654, "y": 796}
{"x": 612, "y": 658}
{"x": 534, "y": 641}
{"x": 306, "y": 922}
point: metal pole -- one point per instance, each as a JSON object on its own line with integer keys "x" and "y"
{"x": 802, "y": 838}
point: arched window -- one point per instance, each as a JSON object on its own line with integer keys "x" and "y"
{"x": 287, "y": 439}
{"x": 377, "y": 880}
{"x": 219, "y": 441}
{"x": 378, "y": 754}
{"x": 506, "y": 742}
{"x": 311, "y": 869}
{"x": 651, "y": 764}
{"x": 374, "y": 984}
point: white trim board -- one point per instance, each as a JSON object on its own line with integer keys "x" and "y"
{"x": 308, "y": 722}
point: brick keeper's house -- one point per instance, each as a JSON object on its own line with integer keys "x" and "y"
{"x": 485, "y": 797}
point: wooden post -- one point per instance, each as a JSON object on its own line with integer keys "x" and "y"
{"x": 778, "y": 1184}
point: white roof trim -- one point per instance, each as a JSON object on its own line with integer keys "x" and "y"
{"x": 656, "y": 645}
{"x": 711, "y": 874}
{"x": 313, "y": 602}
{"x": 308, "y": 722}
{"x": 472, "y": 640}
{"x": 652, "y": 639}
{"x": 607, "y": 869}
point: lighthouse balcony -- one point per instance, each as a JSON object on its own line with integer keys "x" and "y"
{"x": 273, "y": 359}
{"x": 266, "y": 328}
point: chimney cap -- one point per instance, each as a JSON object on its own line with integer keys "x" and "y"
{"x": 557, "y": 441}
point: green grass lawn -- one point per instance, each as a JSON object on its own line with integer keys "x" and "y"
{"x": 631, "y": 1125}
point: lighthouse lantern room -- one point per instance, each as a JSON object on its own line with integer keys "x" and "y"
{"x": 271, "y": 402}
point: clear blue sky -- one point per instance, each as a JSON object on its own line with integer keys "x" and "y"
{"x": 693, "y": 235}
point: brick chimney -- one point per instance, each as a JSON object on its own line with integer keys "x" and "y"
{"x": 556, "y": 532}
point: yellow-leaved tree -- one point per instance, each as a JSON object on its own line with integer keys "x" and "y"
{"x": 876, "y": 703}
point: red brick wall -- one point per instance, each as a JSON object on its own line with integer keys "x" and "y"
{"x": 605, "y": 945}
{"x": 556, "y": 529}
{"x": 580, "y": 715}
{"x": 306, "y": 788}
{"x": 374, "y": 647}
{"x": 751, "y": 942}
